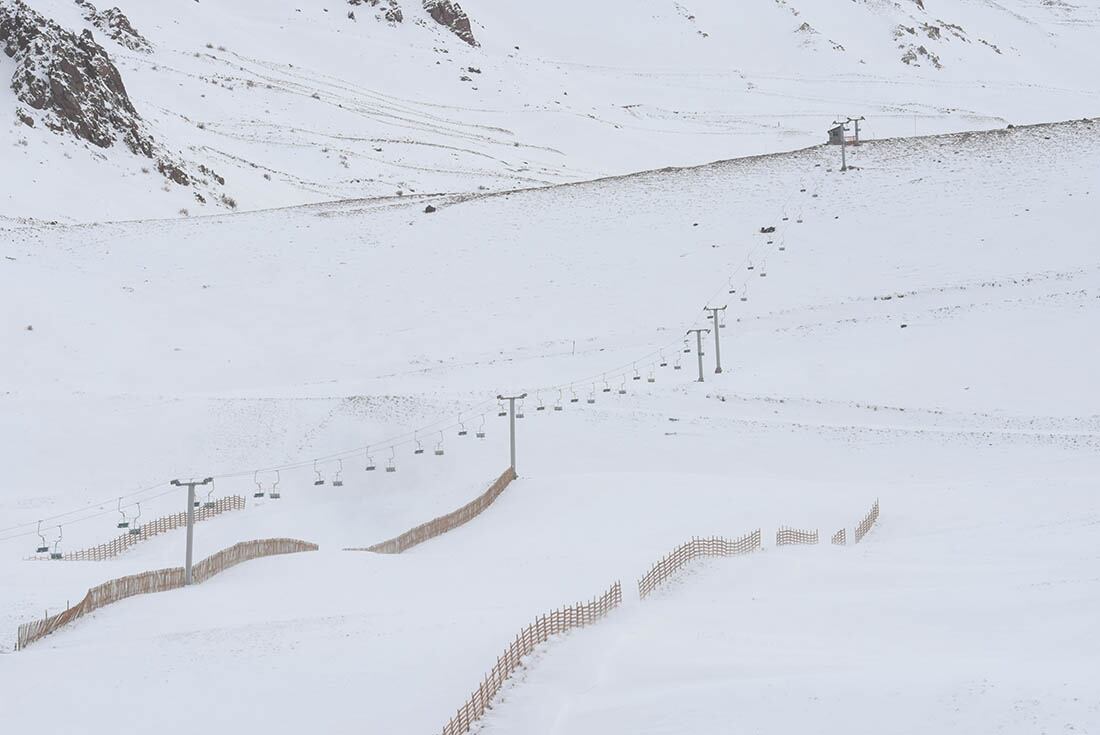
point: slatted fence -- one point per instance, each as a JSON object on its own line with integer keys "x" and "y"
{"x": 868, "y": 521}
{"x": 147, "y": 530}
{"x": 840, "y": 538}
{"x": 444, "y": 523}
{"x": 545, "y": 626}
{"x": 697, "y": 547}
{"x": 159, "y": 580}
{"x": 785, "y": 536}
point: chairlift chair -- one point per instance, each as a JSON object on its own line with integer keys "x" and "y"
{"x": 338, "y": 480}
{"x": 557, "y": 404}
{"x": 652, "y": 377}
{"x": 391, "y": 465}
{"x": 320, "y": 478}
{"x": 622, "y": 387}
{"x": 439, "y": 446}
{"x": 275, "y": 494}
{"x": 124, "y": 523}
{"x": 259, "y": 488}
{"x": 541, "y": 406}
{"x": 43, "y": 547}
{"x": 637, "y": 375}
{"x": 419, "y": 447}
{"x": 519, "y": 410}
{"x": 592, "y": 396}
{"x": 606, "y": 385}
{"x": 480, "y": 434}
{"x": 56, "y": 553}
{"x": 573, "y": 397}
{"x": 501, "y": 411}
{"x": 462, "y": 427}
{"x": 370, "y": 461}
{"x": 664, "y": 360}
{"x": 135, "y": 529}
{"x": 209, "y": 504}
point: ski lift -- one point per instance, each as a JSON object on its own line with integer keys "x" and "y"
{"x": 338, "y": 480}
{"x": 43, "y": 547}
{"x": 462, "y": 427}
{"x": 677, "y": 365}
{"x": 664, "y": 360}
{"x": 763, "y": 272}
{"x": 320, "y": 478}
{"x": 573, "y": 397}
{"x": 541, "y": 406}
{"x": 557, "y": 404}
{"x": 370, "y": 461}
{"x": 782, "y": 245}
{"x": 652, "y": 378}
{"x": 519, "y": 410}
{"x": 419, "y": 447}
{"x": 637, "y": 375}
{"x": 481, "y": 429}
{"x": 606, "y": 386}
{"x": 501, "y": 411}
{"x": 439, "y": 446}
{"x": 391, "y": 465}
{"x": 124, "y": 523}
{"x": 135, "y": 529}
{"x": 751, "y": 266}
{"x": 259, "y": 488}
{"x": 592, "y": 396}
{"x": 275, "y": 494}
{"x": 209, "y": 504}
{"x": 622, "y": 387}
{"x": 729, "y": 281}
{"x": 56, "y": 553}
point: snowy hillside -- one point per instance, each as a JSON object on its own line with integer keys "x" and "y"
{"x": 917, "y": 329}
{"x": 251, "y": 105}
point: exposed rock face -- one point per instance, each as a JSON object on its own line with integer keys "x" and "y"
{"x": 116, "y": 25}
{"x": 391, "y": 11}
{"x": 75, "y": 87}
{"x": 70, "y": 79}
{"x": 450, "y": 14}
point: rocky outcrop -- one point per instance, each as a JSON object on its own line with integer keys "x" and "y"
{"x": 73, "y": 86}
{"x": 450, "y": 14}
{"x": 114, "y": 23}
{"x": 391, "y": 11}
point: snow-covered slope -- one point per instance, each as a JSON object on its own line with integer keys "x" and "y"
{"x": 921, "y": 335}
{"x": 283, "y": 102}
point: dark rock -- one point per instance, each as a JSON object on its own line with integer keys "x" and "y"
{"x": 116, "y": 25}
{"x": 391, "y": 12}
{"x": 429, "y": 209}
{"x": 450, "y": 14}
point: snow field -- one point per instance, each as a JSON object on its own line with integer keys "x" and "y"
{"x": 975, "y": 425}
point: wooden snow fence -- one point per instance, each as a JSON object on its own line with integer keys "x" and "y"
{"x": 545, "y": 626}
{"x": 160, "y": 580}
{"x": 443, "y": 524}
{"x": 147, "y": 530}
{"x": 697, "y": 547}
{"x": 868, "y": 521}
{"x": 840, "y": 538}
{"x": 785, "y": 536}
